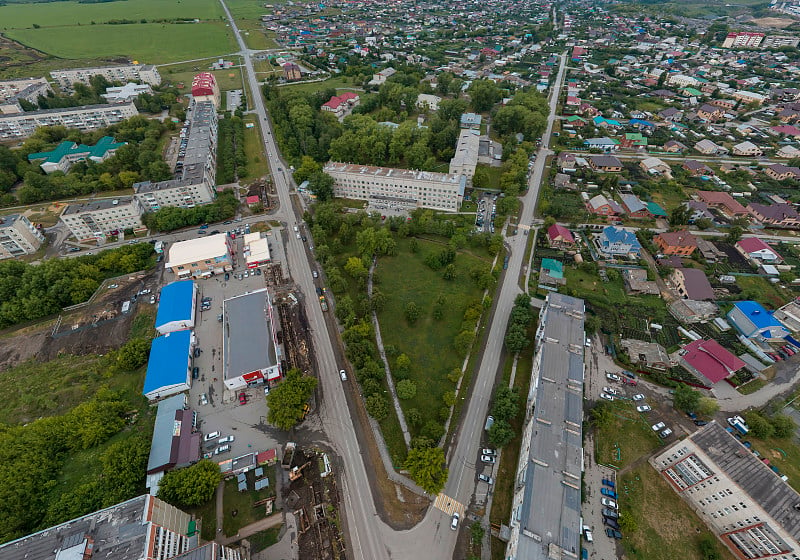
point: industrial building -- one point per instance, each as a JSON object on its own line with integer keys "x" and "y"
{"x": 176, "y": 441}
{"x": 89, "y": 117}
{"x": 177, "y": 308}
{"x": 465, "y": 159}
{"x": 99, "y": 218}
{"x": 250, "y": 351}
{"x": 168, "y": 369}
{"x": 126, "y": 93}
{"x": 18, "y": 236}
{"x": 200, "y": 257}
{"x": 402, "y": 187}
{"x": 146, "y": 73}
{"x": 256, "y": 250}
{"x": 12, "y": 91}
{"x": 546, "y": 509}
{"x": 205, "y": 88}
{"x": 747, "y": 505}
{"x": 197, "y": 165}
{"x": 67, "y": 153}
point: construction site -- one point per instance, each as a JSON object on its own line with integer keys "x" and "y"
{"x": 293, "y": 332}
{"x": 313, "y": 496}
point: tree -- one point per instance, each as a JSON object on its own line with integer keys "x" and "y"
{"x": 287, "y": 400}
{"x": 355, "y": 268}
{"x": 484, "y": 94}
{"x": 321, "y": 184}
{"x": 516, "y": 339}
{"x": 706, "y": 406}
{"x": 411, "y": 312}
{"x": 784, "y": 426}
{"x": 759, "y": 426}
{"x": 505, "y": 405}
{"x": 734, "y": 234}
{"x": 426, "y": 467}
{"x": 685, "y": 398}
{"x": 191, "y": 486}
{"x": 679, "y": 216}
{"x": 501, "y": 433}
{"x": 414, "y": 417}
{"x": 402, "y": 365}
{"x": 406, "y": 389}
{"x": 133, "y": 354}
{"x": 377, "y": 406}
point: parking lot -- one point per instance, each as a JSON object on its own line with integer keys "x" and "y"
{"x": 484, "y": 217}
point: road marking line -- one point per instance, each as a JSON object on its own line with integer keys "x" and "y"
{"x": 449, "y": 505}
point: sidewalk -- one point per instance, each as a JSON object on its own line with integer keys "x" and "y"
{"x": 272, "y": 521}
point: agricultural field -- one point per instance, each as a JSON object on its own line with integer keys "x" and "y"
{"x": 248, "y": 18}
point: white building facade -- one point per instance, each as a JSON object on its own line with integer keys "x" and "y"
{"x": 18, "y": 236}
{"x": 99, "y": 218}
{"x": 146, "y": 73}
{"x": 88, "y": 117}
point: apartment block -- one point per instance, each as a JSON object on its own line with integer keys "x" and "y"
{"x": 197, "y": 165}
{"x": 205, "y": 88}
{"x": 747, "y": 505}
{"x": 89, "y": 117}
{"x": 146, "y": 73}
{"x": 410, "y": 189}
{"x": 465, "y": 160}
{"x": 743, "y": 39}
{"x": 11, "y": 91}
{"x": 96, "y": 219}
{"x": 18, "y": 236}
{"x": 777, "y": 41}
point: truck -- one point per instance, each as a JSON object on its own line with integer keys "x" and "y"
{"x": 288, "y": 455}
{"x": 738, "y": 423}
{"x": 323, "y": 303}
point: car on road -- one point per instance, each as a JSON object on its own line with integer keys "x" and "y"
{"x": 485, "y": 478}
{"x": 608, "y": 493}
{"x": 659, "y": 426}
{"x": 488, "y": 459}
{"x": 112, "y": 286}
{"x": 606, "y": 396}
{"x": 612, "y": 534}
{"x": 203, "y": 399}
{"x": 454, "y": 521}
{"x": 195, "y": 372}
{"x": 74, "y": 249}
{"x": 197, "y": 352}
{"x": 608, "y": 482}
{"x": 226, "y": 222}
{"x": 488, "y": 452}
{"x": 612, "y": 377}
{"x": 587, "y": 534}
{"x": 343, "y": 374}
{"x": 222, "y": 449}
{"x": 219, "y": 317}
{"x": 643, "y": 408}
{"x": 609, "y": 503}
{"x": 242, "y": 398}
{"x": 638, "y": 397}
{"x": 610, "y": 513}
{"x": 227, "y": 276}
{"x": 211, "y": 435}
{"x": 226, "y": 439}
{"x": 611, "y": 391}
{"x": 315, "y": 274}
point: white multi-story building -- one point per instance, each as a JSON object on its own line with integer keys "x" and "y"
{"x": 747, "y": 505}
{"x": 465, "y": 160}
{"x": 742, "y": 39}
{"x": 18, "y": 236}
{"x": 777, "y": 41}
{"x": 88, "y": 117}
{"x": 197, "y": 164}
{"x": 11, "y": 91}
{"x": 146, "y": 73}
{"x": 99, "y": 218}
{"x": 403, "y": 187}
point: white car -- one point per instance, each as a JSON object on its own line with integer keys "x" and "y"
{"x": 343, "y": 374}
{"x": 587, "y": 534}
{"x": 488, "y": 452}
{"x": 488, "y": 459}
{"x": 666, "y": 433}
{"x": 643, "y": 408}
{"x": 454, "y": 521}
{"x": 607, "y": 396}
{"x": 608, "y": 502}
{"x": 222, "y": 449}
{"x": 638, "y": 397}
{"x": 226, "y": 439}
{"x": 610, "y": 390}
{"x": 612, "y": 377}
{"x": 659, "y": 426}
{"x": 203, "y": 399}
{"x": 211, "y": 435}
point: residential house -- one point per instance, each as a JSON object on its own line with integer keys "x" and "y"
{"x": 602, "y": 206}
{"x": 754, "y": 322}
{"x": 619, "y": 242}
{"x": 602, "y": 122}
{"x": 654, "y": 166}
{"x": 562, "y": 181}
{"x": 636, "y": 282}
{"x": 634, "y": 207}
{"x": 709, "y": 251}
{"x": 747, "y": 97}
{"x": 656, "y": 210}
{"x": 789, "y": 315}
{"x": 699, "y": 210}
{"x": 788, "y": 152}
{"x": 648, "y": 354}
{"x": 430, "y": 101}
{"x": 575, "y": 121}
{"x": 341, "y": 105}
{"x": 754, "y": 249}
{"x": 551, "y": 273}
{"x": 689, "y": 311}
{"x": 708, "y": 360}
{"x": 674, "y": 147}
{"x": 671, "y": 114}
{"x": 748, "y": 149}
{"x": 606, "y": 144}
{"x": 633, "y": 140}
{"x": 566, "y": 162}
{"x": 697, "y": 168}
{"x": 723, "y": 202}
{"x": 726, "y": 104}
{"x": 560, "y": 237}
{"x": 381, "y": 77}
{"x": 709, "y": 113}
{"x": 291, "y": 72}
{"x": 782, "y": 172}
{"x": 691, "y": 283}
{"x": 605, "y": 164}
{"x": 782, "y": 215}
{"x": 785, "y": 130}
{"x": 676, "y": 243}
{"x": 709, "y": 148}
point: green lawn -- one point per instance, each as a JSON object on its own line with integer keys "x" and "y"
{"x": 339, "y": 83}
{"x": 626, "y": 437}
{"x": 208, "y": 514}
{"x": 254, "y": 150}
{"x": 242, "y": 502}
{"x": 763, "y": 291}
{"x": 263, "y": 539}
{"x": 429, "y": 342}
{"x": 752, "y": 386}
{"x": 153, "y": 43}
{"x": 230, "y": 78}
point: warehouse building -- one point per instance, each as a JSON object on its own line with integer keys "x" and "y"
{"x": 168, "y": 369}
{"x": 256, "y": 250}
{"x": 97, "y": 219}
{"x": 197, "y": 165}
{"x": 18, "y": 236}
{"x": 176, "y": 441}
{"x": 177, "y": 307}
{"x": 250, "y": 351}
{"x": 200, "y": 257}
{"x": 89, "y": 117}
{"x": 146, "y": 73}
{"x": 743, "y": 501}
{"x": 546, "y": 509}
{"x": 402, "y": 187}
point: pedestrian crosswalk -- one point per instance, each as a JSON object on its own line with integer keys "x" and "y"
{"x": 449, "y": 505}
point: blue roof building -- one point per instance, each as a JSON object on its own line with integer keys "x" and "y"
{"x": 176, "y": 309}
{"x": 753, "y": 321}
{"x": 619, "y": 242}
{"x": 168, "y": 368}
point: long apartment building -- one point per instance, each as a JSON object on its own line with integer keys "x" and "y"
{"x": 18, "y": 236}
{"x": 465, "y": 160}
{"x": 411, "y": 189}
{"x": 11, "y": 91}
{"x": 197, "y": 165}
{"x": 96, "y": 219}
{"x": 142, "y": 528}
{"x": 146, "y": 73}
{"x": 546, "y": 509}
{"x": 750, "y": 508}
{"x": 89, "y": 117}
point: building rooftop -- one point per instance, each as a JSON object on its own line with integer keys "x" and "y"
{"x": 711, "y": 360}
{"x": 95, "y": 205}
{"x": 67, "y": 148}
{"x": 168, "y": 365}
{"x": 198, "y": 249}
{"x": 757, "y": 314}
{"x": 202, "y": 136}
{"x": 81, "y": 109}
{"x": 401, "y": 174}
{"x": 247, "y": 318}
{"x": 176, "y": 303}
{"x": 174, "y": 442}
{"x": 696, "y": 283}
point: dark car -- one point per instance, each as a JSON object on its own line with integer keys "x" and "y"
{"x": 611, "y": 523}
{"x": 197, "y": 352}
{"x": 700, "y": 422}
{"x": 609, "y": 483}
{"x": 612, "y": 534}
{"x": 195, "y": 372}
{"x": 608, "y": 512}
{"x": 610, "y": 493}
{"x": 227, "y": 276}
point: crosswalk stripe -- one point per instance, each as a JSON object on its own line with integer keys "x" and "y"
{"x": 449, "y": 505}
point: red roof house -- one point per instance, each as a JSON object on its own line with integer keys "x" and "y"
{"x": 709, "y": 360}
{"x": 252, "y": 199}
{"x": 559, "y": 236}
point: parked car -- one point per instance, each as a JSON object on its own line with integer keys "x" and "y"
{"x": 242, "y": 398}
{"x": 343, "y": 374}
{"x": 665, "y": 433}
{"x": 611, "y": 523}
{"x": 606, "y": 396}
{"x": 485, "y": 478}
{"x": 195, "y": 372}
{"x": 222, "y": 449}
{"x": 700, "y": 422}
{"x": 266, "y": 390}
{"x": 608, "y": 482}
{"x": 488, "y": 452}
{"x": 315, "y": 274}
{"x": 211, "y": 435}
{"x": 659, "y": 426}
{"x": 612, "y": 534}
{"x": 610, "y": 513}
{"x": 611, "y": 391}
{"x": 203, "y": 399}
{"x": 612, "y": 377}
{"x": 226, "y": 439}
{"x": 454, "y": 521}
{"x": 643, "y": 408}
{"x": 227, "y": 276}
{"x": 638, "y": 397}
{"x": 587, "y": 534}
{"x": 608, "y": 493}
{"x": 197, "y": 352}
{"x": 609, "y": 503}
{"x": 489, "y": 459}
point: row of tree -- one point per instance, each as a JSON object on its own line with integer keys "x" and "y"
{"x": 171, "y": 218}
{"x": 518, "y": 322}
{"x": 231, "y": 158}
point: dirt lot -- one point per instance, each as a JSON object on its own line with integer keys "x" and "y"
{"x": 93, "y": 329}
{"x": 777, "y": 22}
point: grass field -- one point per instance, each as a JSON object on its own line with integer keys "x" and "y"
{"x": 626, "y": 438}
{"x": 429, "y": 342}
{"x": 149, "y": 42}
{"x": 340, "y": 84}
{"x": 263, "y": 539}
{"x": 254, "y": 150}
{"x": 230, "y": 78}
{"x": 764, "y": 292}
{"x": 783, "y": 454}
{"x": 242, "y": 502}
{"x": 208, "y": 514}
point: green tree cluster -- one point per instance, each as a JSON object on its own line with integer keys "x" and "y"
{"x": 82, "y": 95}
{"x": 191, "y": 486}
{"x": 287, "y": 400}
{"x": 231, "y": 158}
{"x": 171, "y": 218}
{"x": 504, "y": 409}
{"x": 525, "y": 114}
{"x": 520, "y": 318}
{"x": 426, "y": 465}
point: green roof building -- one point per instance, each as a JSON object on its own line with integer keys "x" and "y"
{"x": 67, "y": 153}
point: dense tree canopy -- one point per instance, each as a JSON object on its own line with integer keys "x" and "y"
{"x": 190, "y": 486}
{"x": 286, "y": 401}
{"x": 426, "y": 467}
{"x": 172, "y": 217}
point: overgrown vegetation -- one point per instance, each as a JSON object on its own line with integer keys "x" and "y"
{"x": 231, "y": 158}
{"x": 170, "y": 218}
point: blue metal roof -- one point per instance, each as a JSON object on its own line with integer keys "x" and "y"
{"x": 176, "y": 302}
{"x": 169, "y": 361}
{"x": 759, "y": 316}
